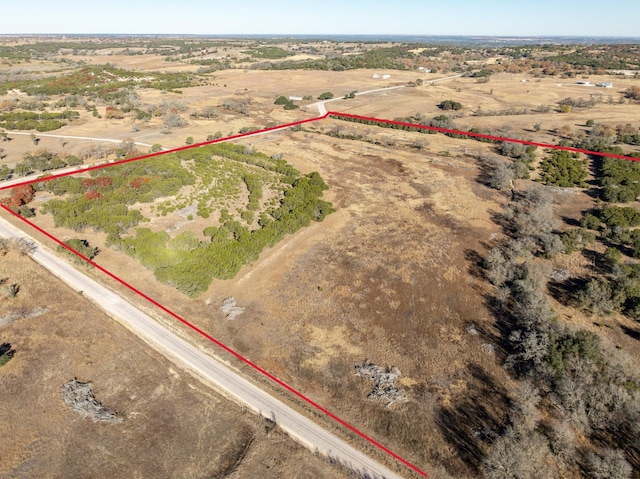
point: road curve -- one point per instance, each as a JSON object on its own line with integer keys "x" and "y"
{"x": 222, "y": 378}
{"x": 322, "y": 109}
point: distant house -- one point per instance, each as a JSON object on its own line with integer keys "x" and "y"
{"x": 585, "y": 83}
{"x": 605, "y": 84}
{"x": 386, "y": 77}
{"x": 295, "y": 98}
{"x": 375, "y": 75}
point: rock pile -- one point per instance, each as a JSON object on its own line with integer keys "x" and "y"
{"x": 230, "y": 308}
{"x": 385, "y": 389}
{"x": 23, "y": 314}
{"x": 79, "y": 397}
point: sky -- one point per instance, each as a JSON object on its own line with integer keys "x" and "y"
{"x": 315, "y": 17}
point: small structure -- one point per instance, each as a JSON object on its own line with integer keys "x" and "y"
{"x": 605, "y": 84}
{"x": 386, "y": 77}
{"x": 295, "y": 98}
{"x": 582, "y": 82}
{"x": 375, "y": 75}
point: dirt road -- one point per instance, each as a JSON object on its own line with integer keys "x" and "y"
{"x": 322, "y": 109}
{"x": 189, "y": 357}
{"x": 72, "y": 137}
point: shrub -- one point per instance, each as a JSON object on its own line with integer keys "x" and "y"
{"x": 26, "y": 212}
{"x": 327, "y": 95}
{"x": 612, "y": 255}
{"x": 633, "y": 92}
{"x": 185, "y": 262}
{"x": 6, "y": 353}
{"x": 82, "y": 246}
{"x": 576, "y": 239}
{"x": 11, "y": 290}
{"x": 247, "y": 216}
{"x": 590, "y": 221}
{"x": 449, "y": 105}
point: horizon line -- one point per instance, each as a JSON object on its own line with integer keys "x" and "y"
{"x": 311, "y": 35}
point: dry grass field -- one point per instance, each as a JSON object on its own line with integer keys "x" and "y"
{"x": 385, "y": 278}
{"x": 172, "y": 425}
{"x": 390, "y": 277}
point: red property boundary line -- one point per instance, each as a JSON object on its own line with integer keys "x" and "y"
{"x": 257, "y": 368}
{"x": 330, "y": 114}
{"x": 338, "y": 115}
{"x": 220, "y": 344}
{"x": 164, "y": 152}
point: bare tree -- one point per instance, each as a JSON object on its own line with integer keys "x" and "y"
{"x": 209, "y": 112}
{"x": 174, "y": 120}
{"x": 499, "y": 268}
{"x": 610, "y": 464}
{"x": 503, "y": 175}
{"x": 518, "y": 454}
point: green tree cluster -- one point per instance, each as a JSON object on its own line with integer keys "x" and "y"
{"x": 288, "y": 104}
{"x": 620, "y": 180}
{"x": 269, "y": 52}
{"x": 111, "y": 84}
{"x": 563, "y": 168}
{"x": 45, "y": 121}
{"x": 395, "y": 57}
{"x": 190, "y": 265}
{"x": 100, "y": 202}
{"x": 254, "y": 186}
